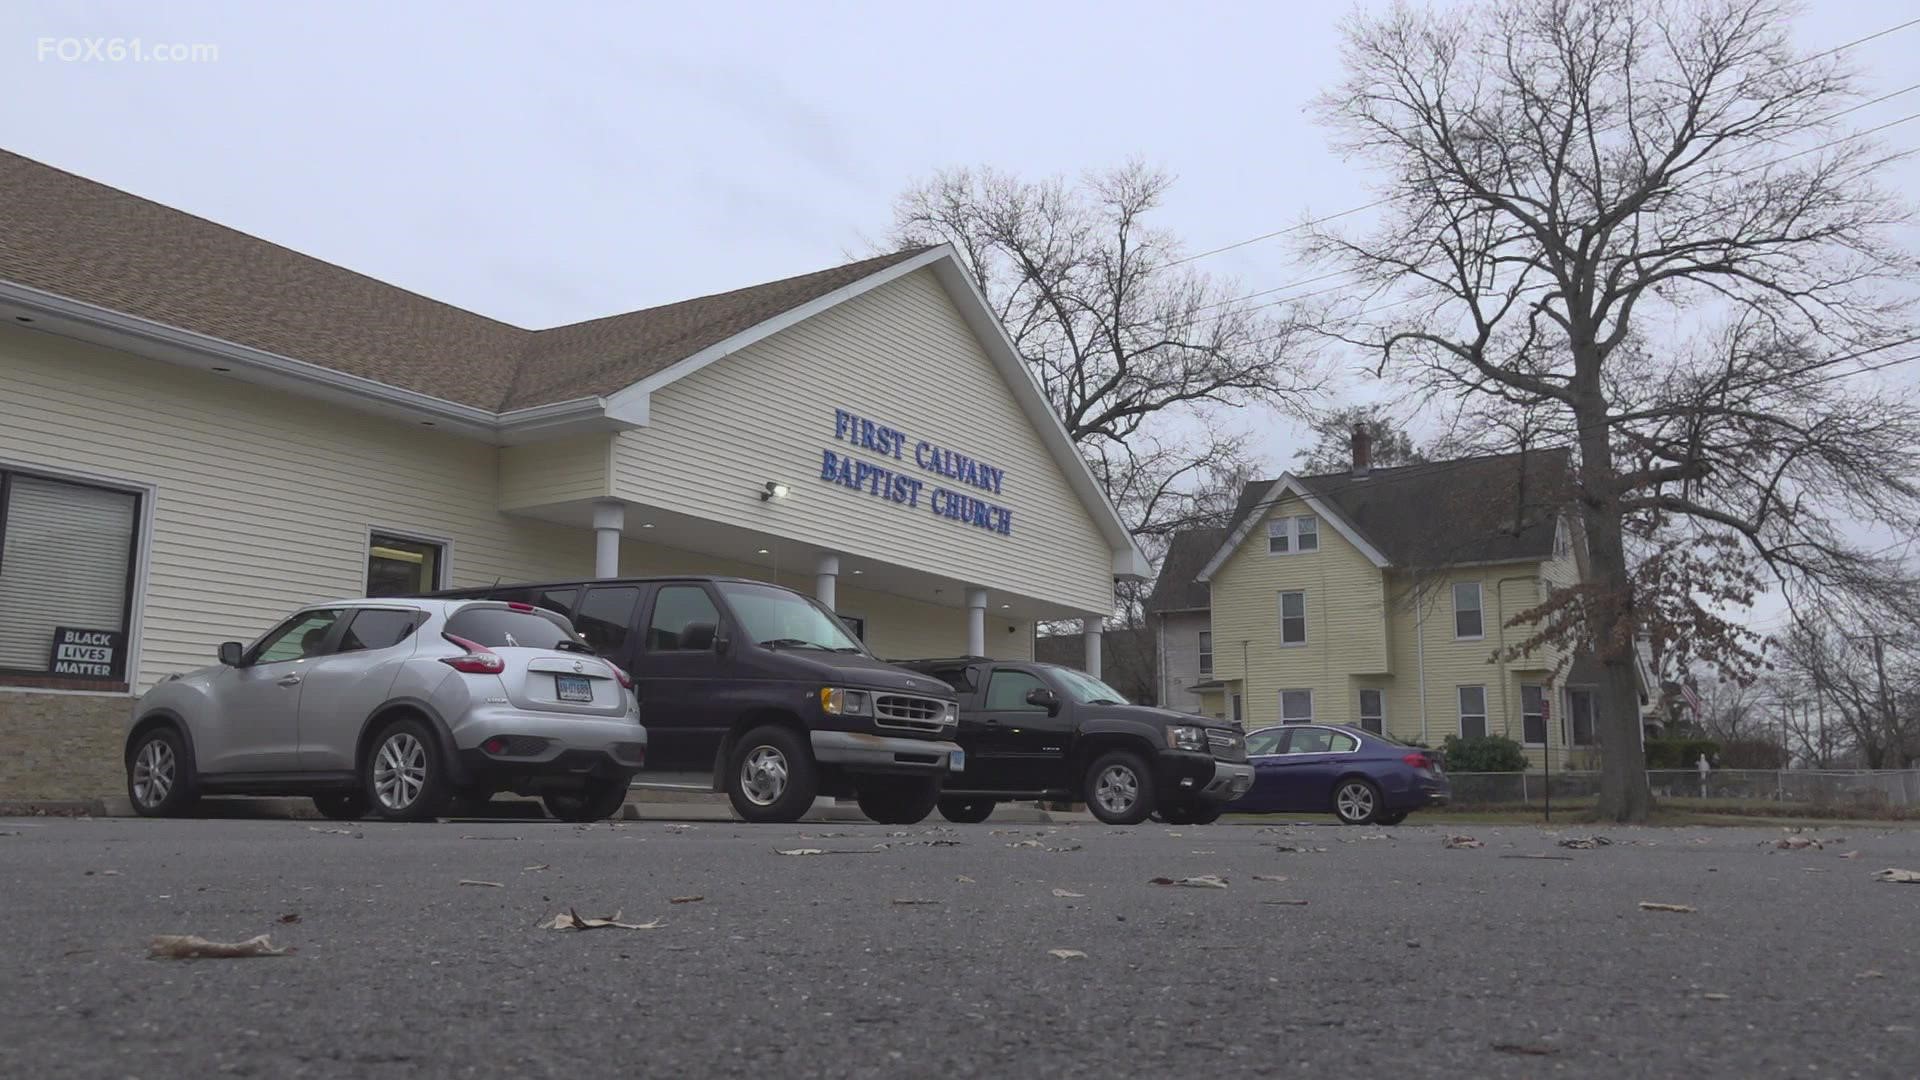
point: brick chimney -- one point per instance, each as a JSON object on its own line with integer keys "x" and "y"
{"x": 1362, "y": 451}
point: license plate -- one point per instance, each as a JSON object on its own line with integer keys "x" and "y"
{"x": 957, "y": 761}
{"x": 573, "y": 687}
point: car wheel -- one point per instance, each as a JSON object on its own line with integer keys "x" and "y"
{"x": 1119, "y": 788}
{"x": 1394, "y": 818}
{"x": 342, "y": 805}
{"x": 160, "y": 773}
{"x": 598, "y": 801}
{"x": 1356, "y": 801}
{"x": 405, "y": 773}
{"x": 898, "y": 800}
{"x": 966, "y": 811}
{"x": 771, "y": 775}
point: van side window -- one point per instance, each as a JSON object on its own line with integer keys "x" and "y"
{"x": 684, "y": 619}
{"x": 606, "y": 617}
{"x": 559, "y": 601}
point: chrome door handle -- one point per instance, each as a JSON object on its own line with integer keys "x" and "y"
{"x": 290, "y": 680}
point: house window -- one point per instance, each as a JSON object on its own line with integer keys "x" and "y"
{"x": 1580, "y": 707}
{"x": 399, "y": 566}
{"x": 1533, "y": 715}
{"x": 1473, "y": 712}
{"x": 1239, "y": 712}
{"x": 66, "y": 578}
{"x": 1466, "y": 610}
{"x": 1206, "y": 652}
{"x": 1373, "y": 711}
{"x": 684, "y": 618}
{"x": 1292, "y": 534}
{"x": 1296, "y": 706}
{"x": 1293, "y": 618}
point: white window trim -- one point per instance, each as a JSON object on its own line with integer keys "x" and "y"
{"x": 444, "y": 571}
{"x": 143, "y": 558}
{"x": 1546, "y": 723}
{"x": 1280, "y": 703}
{"x": 1280, "y": 611}
{"x": 1480, "y": 590}
{"x": 1290, "y": 528}
{"x": 1460, "y": 709}
{"x": 1360, "y": 709}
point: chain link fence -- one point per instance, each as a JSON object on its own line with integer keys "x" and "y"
{"x": 1814, "y": 789}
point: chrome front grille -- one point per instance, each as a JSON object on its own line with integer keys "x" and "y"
{"x": 911, "y": 713}
{"x": 1227, "y": 745}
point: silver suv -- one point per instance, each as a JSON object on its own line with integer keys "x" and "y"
{"x": 398, "y": 707}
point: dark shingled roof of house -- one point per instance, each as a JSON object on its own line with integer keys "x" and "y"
{"x": 85, "y": 241}
{"x": 1178, "y": 588}
{"x": 1500, "y": 508}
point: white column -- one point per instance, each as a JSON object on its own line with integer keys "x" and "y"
{"x": 825, "y": 577}
{"x": 976, "y": 622}
{"x": 1090, "y": 629}
{"x": 609, "y": 520}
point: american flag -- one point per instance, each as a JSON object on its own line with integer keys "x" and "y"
{"x": 1692, "y": 699}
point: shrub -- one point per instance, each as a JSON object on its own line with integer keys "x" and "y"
{"x": 1681, "y": 753}
{"x": 1487, "y": 753}
{"x": 1750, "y": 754}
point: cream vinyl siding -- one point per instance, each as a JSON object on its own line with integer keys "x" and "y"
{"x": 899, "y": 355}
{"x": 1346, "y": 622}
{"x": 262, "y": 501}
{"x": 559, "y": 471}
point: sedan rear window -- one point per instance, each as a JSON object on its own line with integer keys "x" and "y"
{"x": 499, "y": 627}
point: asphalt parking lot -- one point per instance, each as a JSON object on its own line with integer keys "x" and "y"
{"x": 1381, "y": 953}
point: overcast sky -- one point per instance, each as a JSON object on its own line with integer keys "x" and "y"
{"x": 553, "y": 162}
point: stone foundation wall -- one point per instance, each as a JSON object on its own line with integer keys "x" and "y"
{"x": 62, "y": 746}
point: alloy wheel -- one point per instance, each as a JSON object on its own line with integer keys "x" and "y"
{"x": 399, "y": 771}
{"x": 763, "y": 775}
{"x": 1354, "y": 802}
{"x": 1117, "y": 789}
{"x": 153, "y": 773}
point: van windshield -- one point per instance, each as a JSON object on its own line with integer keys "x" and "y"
{"x": 782, "y": 619}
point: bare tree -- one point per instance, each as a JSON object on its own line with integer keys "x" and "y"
{"x": 1857, "y": 685}
{"x": 1630, "y": 223}
{"x": 1333, "y": 441}
{"x": 1141, "y": 354}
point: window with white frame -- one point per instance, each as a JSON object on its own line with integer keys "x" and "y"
{"x": 1296, "y": 706}
{"x": 1206, "y": 652}
{"x": 1287, "y": 535}
{"x": 1293, "y": 618}
{"x": 66, "y": 578}
{"x": 1373, "y": 710}
{"x": 1533, "y": 715}
{"x": 1467, "y": 622}
{"x": 1473, "y": 712}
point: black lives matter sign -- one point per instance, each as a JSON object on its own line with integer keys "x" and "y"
{"x": 88, "y": 654}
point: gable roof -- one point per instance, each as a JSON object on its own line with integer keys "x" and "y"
{"x": 1498, "y": 508}
{"x": 86, "y": 241}
{"x": 1179, "y": 588}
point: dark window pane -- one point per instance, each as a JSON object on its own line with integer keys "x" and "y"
{"x": 856, "y": 626}
{"x": 605, "y": 618}
{"x": 684, "y": 617}
{"x": 1008, "y": 692}
{"x": 397, "y": 566}
{"x": 378, "y": 630}
{"x": 555, "y": 600}
{"x": 505, "y": 628}
{"x": 1310, "y": 741}
{"x": 961, "y": 679}
{"x": 1582, "y": 711}
{"x": 1264, "y": 742}
{"x": 296, "y": 639}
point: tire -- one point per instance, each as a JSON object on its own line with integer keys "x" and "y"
{"x": 160, "y": 773}
{"x": 966, "y": 811}
{"x": 598, "y": 801}
{"x": 1394, "y": 818}
{"x": 1189, "y": 814}
{"x": 343, "y": 805}
{"x": 1356, "y": 801}
{"x": 898, "y": 800}
{"x": 771, "y": 776}
{"x": 406, "y": 773}
{"x": 1118, "y": 788}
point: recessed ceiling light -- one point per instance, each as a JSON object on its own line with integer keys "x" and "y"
{"x": 1004, "y": 607}
{"x": 646, "y": 524}
{"x": 221, "y": 370}
{"x": 858, "y": 572}
{"x": 763, "y": 551}
{"x": 426, "y": 423}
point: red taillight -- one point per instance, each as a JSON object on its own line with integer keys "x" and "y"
{"x": 1418, "y": 761}
{"x": 626, "y": 680}
{"x": 495, "y": 745}
{"x": 516, "y": 605}
{"x": 478, "y": 660}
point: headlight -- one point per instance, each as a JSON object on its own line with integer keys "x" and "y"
{"x": 835, "y": 701}
{"x": 1187, "y": 738}
{"x": 951, "y": 716}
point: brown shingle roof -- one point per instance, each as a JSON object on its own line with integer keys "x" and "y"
{"x": 70, "y": 236}
{"x": 1178, "y": 587}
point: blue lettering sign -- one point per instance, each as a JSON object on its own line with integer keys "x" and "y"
{"x": 884, "y": 442}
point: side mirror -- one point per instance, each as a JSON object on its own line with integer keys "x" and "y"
{"x": 230, "y": 653}
{"x": 1046, "y": 699}
{"x": 722, "y": 644}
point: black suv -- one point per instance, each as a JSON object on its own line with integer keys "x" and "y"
{"x": 761, "y": 692}
{"x": 1041, "y": 731}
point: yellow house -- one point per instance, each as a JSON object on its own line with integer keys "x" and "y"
{"x": 1380, "y": 598}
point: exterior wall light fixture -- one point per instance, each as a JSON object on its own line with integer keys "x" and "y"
{"x": 774, "y": 490}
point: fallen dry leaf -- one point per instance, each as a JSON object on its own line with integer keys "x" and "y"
{"x": 1898, "y": 877}
{"x": 1204, "y": 881}
{"x": 1585, "y": 843}
{"x": 1066, "y": 954}
{"x": 1525, "y": 1048}
{"x": 686, "y": 899}
{"x": 1269, "y": 877}
{"x": 536, "y": 866}
{"x": 1286, "y": 903}
{"x": 1870, "y": 975}
{"x": 335, "y": 832}
{"x": 1065, "y": 895}
{"x": 802, "y": 851}
{"x": 483, "y": 884}
{"x": 1649, "y": 905}
{"x": 288, "y": 919}
{"x": 189, "y": 947}
{"x": 1462, "y": 842}
{"x": 965, "y": 880}
{"x": 571, "y": 920}
{"x": 1717, "y": 997}
{"x": 1375, "y": 836}
{"x": 1850, "y": 855}
{"x": 901, "y": 901}
{"x": 1026, "y": 843}
{"x": 1797, "y": 843}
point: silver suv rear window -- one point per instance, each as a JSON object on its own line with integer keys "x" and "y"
{"x": 500, "y": 627}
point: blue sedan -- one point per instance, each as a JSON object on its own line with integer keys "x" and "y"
{"x": 1359, "y": 777}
